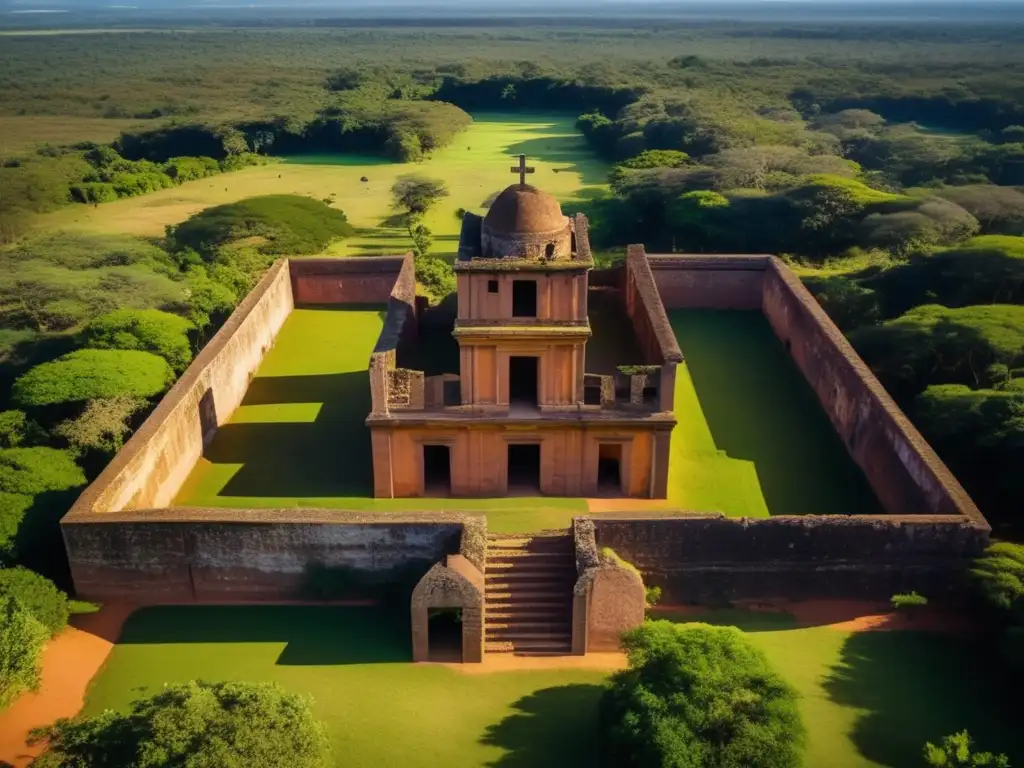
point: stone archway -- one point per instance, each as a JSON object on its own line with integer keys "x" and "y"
{"x": 453, "y": 583}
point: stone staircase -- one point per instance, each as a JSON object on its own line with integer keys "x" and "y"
{"x": 528, "y": 596}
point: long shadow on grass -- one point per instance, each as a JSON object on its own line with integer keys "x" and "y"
{"x": 760, "y": 409}
{"x": 313, "y": 635}
{"x": 551, "y": 727}
{"x": 329, "y": 456}
{"x": 569, "y": 152}
{"x": 916, "y": 687}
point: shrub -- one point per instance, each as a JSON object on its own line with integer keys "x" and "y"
{"x": 13, "y": 507}
{"x": 21, "y": 639}
{"x": 88, "y": 374}
{"x": 13, "y": 427}
{"x": 149, "y": 330}
{"x": 957, "y": 751}
{"x": 47, "y": 604}
{"x": 998, "y": 580}
{"x": 283, "y": 224}
{"x": 32, "y": 471}
{"x": 102, "y": 426}
{"x": 908, "y": 601}
{"x": 195, "y": 725}
{"x": 697, "y": 695}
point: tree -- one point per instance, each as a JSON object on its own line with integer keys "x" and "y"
{"x": 102, "y": 426}
{"x": 696, "y": 696}
{"x": 699, "y": 218}
{"x": 38, "y": 595}
{"x": 194, "y": 725}
{"x": 21, "y": 640}
{"x": 999, "y": 210}
{"x": 149, "y": 330}
{"x": 415, "y": 194}
{"x": 957, "y": 751}
{"x": 422, "y": 239}
{"x": 848, "y": 304}
{"x": 88, "y": 374}
{"x": 998, "y": 581}
{"x": 657, "y": 158}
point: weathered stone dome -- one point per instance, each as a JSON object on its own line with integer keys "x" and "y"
{"x": 523, "y": 209}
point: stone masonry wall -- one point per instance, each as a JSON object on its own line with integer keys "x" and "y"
{"x": 712, "y": 560}
{"x": 366, "y": 280}
{"x": 154, "y": 463}
{"x": 905, "y": 473}
{"x": 191, "y": 554}
{"x": 711, "y": 282}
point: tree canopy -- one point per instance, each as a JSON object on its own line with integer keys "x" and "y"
{"x": 88, "y": 374}
{"x": 149, "y": 330}
{"x": 195, "y": 725}
{"x": 699, "y": 696}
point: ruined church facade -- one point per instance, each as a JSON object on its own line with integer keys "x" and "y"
{"x": 524, "y": 416}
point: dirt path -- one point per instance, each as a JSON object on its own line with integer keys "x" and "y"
{"x": 69, "y": 662}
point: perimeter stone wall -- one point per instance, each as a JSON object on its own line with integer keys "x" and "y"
{"x": 363, "y": 280}
{"x": 709, "y": 282}
{"x": 181, "y": 555}
{"x": 714, "y": 559}
{"x": 154, "y": 463}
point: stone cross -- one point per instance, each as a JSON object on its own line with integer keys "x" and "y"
{"x": 522, "y": 169}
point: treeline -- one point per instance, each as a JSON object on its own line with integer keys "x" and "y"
{"x": 94, "y": 174}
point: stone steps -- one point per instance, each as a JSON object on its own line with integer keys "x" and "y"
{"x": 528, "y": 594}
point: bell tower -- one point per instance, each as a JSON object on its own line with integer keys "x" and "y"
{"x": 522, "y": 322}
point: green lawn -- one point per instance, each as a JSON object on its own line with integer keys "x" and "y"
{"x": 752, "y": 439}
{"x": 475, "y": 166}
{"x": 868, "y": 699}
{"x": 379, "y": 709}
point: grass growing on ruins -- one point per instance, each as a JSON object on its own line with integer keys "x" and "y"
{"x": 379, "y": 710}
{"x": 475, "y": 166}
{"x": 868, "y": 699}
{"x": 752, "y": 439}
{"x": 299, "y": 437}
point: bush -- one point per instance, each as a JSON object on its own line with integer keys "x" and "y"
{"x": 194, "y": 725}
{"x": 13, "y": 507}
{"x": 31, "y": 471}
{"x": 908, "y": 601}
{"x": 102, "y": 426}
{"x": 284, "y": 224}
{"x": 998, "y": 580}
{"x": 21, "y": 639}
{"x": 13, "y": 428}
{"x": 697, "y": 695}
{"x": 47, "y": 604}
{"x": 957, "y": 751}
{"x": 149, "y": 330}
{"x": 89, "y": 374}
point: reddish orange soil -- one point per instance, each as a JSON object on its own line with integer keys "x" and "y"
{"x": 69, "y": 662}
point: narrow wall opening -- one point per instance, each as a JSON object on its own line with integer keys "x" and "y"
{"x": 437, "y": 469}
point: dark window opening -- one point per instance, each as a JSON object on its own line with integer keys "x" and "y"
{"x": 492, "y": 286}
{"x": 522, "y": 380}
{"x": 451, "y": 392}
{"x": 592, "y": 395}
{"x": 524, "y": 468}
{"x": 650, "y": 395}
{"x": 549, "y": 251}
{"x": 524, "y": 298}
{"x": 444, "y": 634}
{"x": 437, "y": 469}
{"x": 609, "y": 468}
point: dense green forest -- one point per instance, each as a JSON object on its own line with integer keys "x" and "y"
{"x": 885, "y": 163}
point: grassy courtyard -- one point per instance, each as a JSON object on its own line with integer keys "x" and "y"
{"x": 751, "y": 439}
{"x": 475, "y": 166}
{"x": 867, "y": 699}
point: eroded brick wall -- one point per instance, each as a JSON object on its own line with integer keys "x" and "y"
{"x": 709, "y": 282}
{"x": 245, "y": 554}
{"x": 903, "y": 470}
{"x": 365, "y": 280}
{"x": 715, "y": 559}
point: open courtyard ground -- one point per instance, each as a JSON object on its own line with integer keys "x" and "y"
{"x": 475, "y": 166}
{"x": 751, "y": 439}
{"x": 867, "y": 698}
